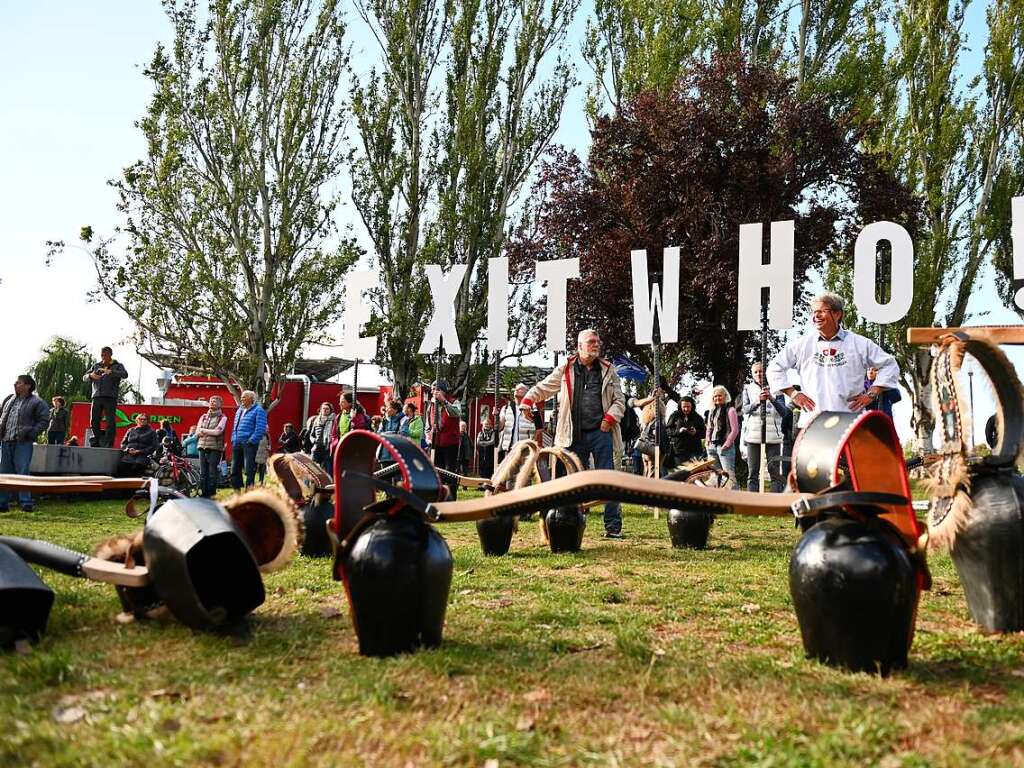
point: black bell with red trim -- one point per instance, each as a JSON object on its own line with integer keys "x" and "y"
{"x": 856, "y": 575}
{"x": 396, "y": 568}
{"x": 855, "y": 594}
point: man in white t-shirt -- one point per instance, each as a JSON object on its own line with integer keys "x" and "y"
{"x": 831, "y": 362}
{"x": 512, "y": 424}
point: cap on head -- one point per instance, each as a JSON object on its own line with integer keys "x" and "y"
{"x": 442, "y": 385}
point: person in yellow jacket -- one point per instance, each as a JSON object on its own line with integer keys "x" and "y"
{"x": 591, "y": 405}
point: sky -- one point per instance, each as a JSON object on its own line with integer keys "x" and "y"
{"x": 71, "y": 90}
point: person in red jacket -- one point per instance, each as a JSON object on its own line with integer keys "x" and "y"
{"x": 444, "y": 432}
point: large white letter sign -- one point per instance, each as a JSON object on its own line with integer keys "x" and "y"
{"x": 357, "y": 312}
{"x": 556, "y": 274}
{"x": 776, "y": 276}
{"x": 441, "y": 329}
{"x": 497, "y": 304}
{"x": 1017, "y": 234}
{"x": 865, "y": 273}
{"x": 664, "y": 302}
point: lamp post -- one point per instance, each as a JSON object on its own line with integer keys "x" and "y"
{"x": 163, "y": 383}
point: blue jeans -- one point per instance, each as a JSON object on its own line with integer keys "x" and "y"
{"x": 725, "y": 460}
{"x": 15, "y": 458}
{"x": 599, "y": 445}
{"x": 243, "y": 453}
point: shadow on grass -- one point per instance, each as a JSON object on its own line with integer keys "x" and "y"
{"x": 957, "y": 671}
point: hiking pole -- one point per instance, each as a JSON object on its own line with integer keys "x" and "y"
{"x": 355, "y": 386}
{"x": 552, "y": 460}
{"x": 435, "y": 419}
{"x": 494, "y": 410}
{"x": 763, "y": 469}
{"x": 655, "y": 338}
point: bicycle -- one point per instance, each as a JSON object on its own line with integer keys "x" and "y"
{"x": 173, "y": 471}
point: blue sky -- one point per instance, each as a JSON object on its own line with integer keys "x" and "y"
{"x": 70, "y": 93}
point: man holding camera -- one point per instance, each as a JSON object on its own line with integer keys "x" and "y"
{"x": 105, "y": 377}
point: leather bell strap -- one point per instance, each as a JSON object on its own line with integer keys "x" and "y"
{"x": 357, "y": 453}
{"x": 813, "y": 506}
{"x": 464, "y": 481}
{"x": 77, "y": 564}
{"x": 580, "y": 488}
{"x": 856, "y": 452}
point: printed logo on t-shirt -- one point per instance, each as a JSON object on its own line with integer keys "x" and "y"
{"x": 830, "y": 357}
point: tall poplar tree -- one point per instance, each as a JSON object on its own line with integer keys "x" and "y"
{"x": 234, "y": 261}
{"x": 465, "y": 99}
{"x": 952, "y": 138}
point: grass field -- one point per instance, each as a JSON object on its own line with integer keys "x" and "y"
{"x": 628, "y": 653}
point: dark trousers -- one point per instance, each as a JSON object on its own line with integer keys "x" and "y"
{"x": 243, "y": 454}
{"x": 485, "y": 463}
{"x": 55, "y": 438}
{"x": 103, "y": 407}
{"x": 448, "y": 458}
{"x": 786, "y": 462}
{"x": 599, "y": 445}
{"x": 209, "y": 471}
{"x": 322, "y": 456}
{"x": 754, "y": 465}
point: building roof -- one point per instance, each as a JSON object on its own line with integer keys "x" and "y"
{"x": 318, "y": 370}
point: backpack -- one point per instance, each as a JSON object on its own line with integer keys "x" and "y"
{"x": 630, "y": 425}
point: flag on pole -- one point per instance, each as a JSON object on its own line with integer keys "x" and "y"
{"x": 627, "y": 369}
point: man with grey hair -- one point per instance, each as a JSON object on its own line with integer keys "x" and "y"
{"x": 591, "y": 405}
{"x": 248, "y": 428}
{"x": 831, "y": 361}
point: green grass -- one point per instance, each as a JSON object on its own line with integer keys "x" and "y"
{"x": 628, "y": 653}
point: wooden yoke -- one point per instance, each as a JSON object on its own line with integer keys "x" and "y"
{"x": 993, "y": 334}
{"x": 951, "y": 502}
{"x": 607, "y": 484}
{"x": 73, "y": 484}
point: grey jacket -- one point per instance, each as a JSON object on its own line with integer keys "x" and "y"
{"x": 33, "y": 417}
{"x": 106, "y": 386}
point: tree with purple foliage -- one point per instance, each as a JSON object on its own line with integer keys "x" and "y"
{"x": 731, "y": 143}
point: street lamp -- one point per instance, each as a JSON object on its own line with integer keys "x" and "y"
{"x": 163, "y": 383}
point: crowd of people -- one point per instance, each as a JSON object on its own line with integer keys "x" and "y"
{"x": 838, "y": 370}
